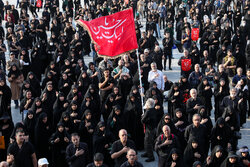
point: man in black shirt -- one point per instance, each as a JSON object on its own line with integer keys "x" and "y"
{"x": 192, "y": 104}
{"x": 131, "y": 162}
{"x": 121, "y": 147}
{"x": 98, "y": 161}
{"x": 21, "y": 153}
{"x": 106, "y": 84}
{"x": 168, "y": 84}
{"x": 199, "y": 132}
{"x": 76, "y": 152}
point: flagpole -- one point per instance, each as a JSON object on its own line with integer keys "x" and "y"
{"x": 139, "y": 72}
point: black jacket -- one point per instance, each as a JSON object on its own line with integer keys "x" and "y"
{"x": 198, "y": 133}
{"x": 149, "y": 119}
{"x": 74, "y": 161}
{"x": 163, "y": 149}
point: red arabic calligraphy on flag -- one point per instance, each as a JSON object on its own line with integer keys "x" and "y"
{"x": 112, "y": 35}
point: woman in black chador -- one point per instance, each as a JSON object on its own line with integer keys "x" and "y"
{"x": 29, "y": 124}
{"x": 34, "y": 83}
{"x": 42, "y": 135}
{"x": 220, "y": 91}
{"x": 48, "y": 98}
{"x": 232, "y": 120}
{"x": 193, "y": 153}
{"x": 204, "y": 91}
{"x": 68, "y": 125}
{"x": 75, "y": 115}
{"x": 159, "y": 109}
{"x": 60, "y": 105}
{"x": 75, "y": 94}
{"x": 180, "y": 121}
{"x": 65, "y": 84}
{"x": 205, "y": 120}
{"x": 102, "y": 141}
{"x": 221, "y": 134}
{"x": 166, "y": 120}
{"x": 175, "y": 99}
{"x": 232, "y": 160}
{"x": 59, "y": 141}
{"x": 175, "y": 157}
{"x": 6, "y": 128}
{"x": 184, "y": 88}
{"x": 83, "y": 82}
{"x": 37, "y": 107}
{"x": 132, "y": 120}
{"x": 216, "y": 158}
{"x": 115, "y": 121}
{"x": 86, "y": 130}
{"x": 108, "y": 106}
{"x": 5, "y": 98}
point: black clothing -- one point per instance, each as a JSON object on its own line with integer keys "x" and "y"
{"x": 115, "y": 123}
{"x": 216, "y": 162}
{"x": 190, "y": 107}
{"x": 93, "y": 165}
{"x": 105, "y": 93}
{"x": 226, "y": 162}
{"x": 22, "y": 156}
{"x": 58, "y": 108}
{"x": 163, "y": 149}
{"x": 58, "y": 149}
{"x": 170, "y": 123}
{"x": 205, "y": 95}
{"x": 6, "y": 129}
{"x": 218, "y": 97}
{"x": 132, "y": 120}
{"x": 73, "y": 160}
{"x": 136, "y": 164}
{"x": 150, "y": 120}
{"x": 175, "y": 99}
{"x": 179, "y": 162}
{"x": 48, "y": 102}
{"x": 5, "y": 100}
{"x": 189, "y": 152}
{"x": 199, "y": 133}
{"x": 117, "y": 146}
{"x": 225, "y": 134}
{"x": 29, "y": 125}
{"x": 101, "y": 139}
{"x": 42, "y": 135}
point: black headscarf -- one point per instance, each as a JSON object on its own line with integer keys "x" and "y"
{"x": 216, "y": 162}
{"x": 16, "y": 73}
{"x": 182, "y": 118}
{"x": 30, "y": 125}
{"x": 179, "y": 162}
{"x": 170, "y": 124}
{"x": 226, "y": 162}
{"x": 34, "y": 82}
{"x": 189, "y": 151}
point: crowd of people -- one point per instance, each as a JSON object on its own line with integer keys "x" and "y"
{"x": 76, "y": 114}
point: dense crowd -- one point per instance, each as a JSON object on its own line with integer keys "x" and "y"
{"x": 76, "y": 114}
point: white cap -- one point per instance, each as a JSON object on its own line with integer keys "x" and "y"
{"x": 146, "y": 50}
{"x": 43, "y": 161}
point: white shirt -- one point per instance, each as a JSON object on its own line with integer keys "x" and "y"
{"x": 159, "y": 79}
